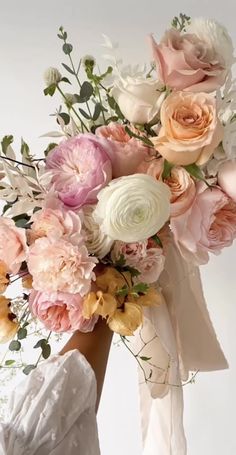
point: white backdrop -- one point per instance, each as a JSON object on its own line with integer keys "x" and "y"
{"x": 28, "y": 45}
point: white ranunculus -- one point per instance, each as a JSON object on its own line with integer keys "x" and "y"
{"x": 133, "y": 208}
{"x": 97, "y": 242}
{"x": 215, "y": 36}
{"x": 229, "y": 140}
{"x": 52, "y": 76}
{"x": 139, "y": 99}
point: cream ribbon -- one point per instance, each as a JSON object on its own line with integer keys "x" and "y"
{"x": 178, "y": 338}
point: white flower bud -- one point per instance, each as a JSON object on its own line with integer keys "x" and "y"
{"x": 52, "y": 76}
{"x": 88, "y": 60}
{"x": 70, "y": 98}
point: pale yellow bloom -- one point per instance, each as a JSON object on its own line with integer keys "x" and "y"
{"x": 99, "y": 303}
{"x": 4, "y": 278}
{"x": 8, "y": 324}
{"x": 125, "y": 321}
{"x": 112, "y": 280}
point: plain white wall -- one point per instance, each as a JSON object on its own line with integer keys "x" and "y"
{"x": 28, "y": 45}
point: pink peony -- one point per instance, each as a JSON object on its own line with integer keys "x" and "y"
{"x": 13, "y": 247}
{"x": 81, "y": 167}
{"x": 126, "y": 153}
{"x": 55, "y": 224}
{"x": 208, "y": 226}
{"x": 60, "y": 312}
{"x": 148, "y": 261}
{"x": 187, "y": 63}
{"x": 58, "y": 265}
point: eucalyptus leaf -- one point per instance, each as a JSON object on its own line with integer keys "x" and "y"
{"x": 40, "y": 343}
{"x": 46, "y": 350}
{"x": 66, "y": 80}
{"x": 70, "y": 70}
{"x": 65, "y": 117}
{"x": 86, "y": 91}
{"x": 145, "y": 359}
{"x": 87, "y": 116}
{"x": 22, "y": 333}
{"x": 67, "y": 48}
{"x": 14, "y": 345}
{"x": 141, "y": 138}
{"x": 28, "y": 369}
{"x": 167, "y": 169}
{"x": 9, "y": 362}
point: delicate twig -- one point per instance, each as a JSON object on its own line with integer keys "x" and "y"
{"x": 17, "y": 162}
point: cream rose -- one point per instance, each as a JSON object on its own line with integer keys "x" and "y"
{"x": 139, "y": 99}
{"x": 96, "y": 241}
{"x": 190, "y": 128}
{"x": 133, "y": 208}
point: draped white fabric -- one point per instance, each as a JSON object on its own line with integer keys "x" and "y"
{"x": 53, "y": 411}
{"x": 177, "y": 337}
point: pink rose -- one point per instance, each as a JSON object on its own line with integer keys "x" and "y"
{"x": 187, "y": 63}
{"x": 227, "y": 178}
{"x": 181, "y": 185}
{"x": 58, "y": 265}
{"x": 60, "y": 311}
{"x": 126, "y": 153}
{"x": 13, "y": 246}
{"x": 190, "y": 129}
{"x": 148, "y": 261}
{"x": 55, "y": 224}
{"x": 81, "y": 167}
{"x": 208, "y": 226}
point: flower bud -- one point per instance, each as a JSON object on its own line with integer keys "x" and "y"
{"x": 52, "y": 76}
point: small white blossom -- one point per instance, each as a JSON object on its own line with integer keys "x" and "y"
{"x": 52, "y": 76}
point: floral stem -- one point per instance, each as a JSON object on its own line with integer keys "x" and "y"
{"x": 73, "y": 110}
{"x": 17, "y": 162}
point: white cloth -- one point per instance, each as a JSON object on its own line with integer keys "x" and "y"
{"x": 178, "y": 337}
{"x": 53, "y": 411}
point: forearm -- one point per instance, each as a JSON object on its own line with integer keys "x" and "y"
{"x": 95, "y": 347}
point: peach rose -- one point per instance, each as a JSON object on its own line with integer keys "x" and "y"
{"x": 126, "y": 153}
{"x": 181, "y": 185}
{"x": 190, "y": 128}
{"x": 60, "y": 312}
{"x": 208, "y": 226}
{"x": 13, "y": 245}
{"x": 186, "y": 62}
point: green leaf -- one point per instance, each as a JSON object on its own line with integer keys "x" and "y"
{"x": 25, "y": 324}
{"x": 60, "y": 36}
{"x": 50, "y": 90}
{"x": 167, "y": 169}
{"x": 70, "y": 70}
{"x": 196, "y": 172}
{"x": 134, "y": 272}
{"x": 113, "y": 105}
{"x": 157, "y": 240}
{"x": 97, "y": 111}
{"x": 22, "y": 222}
{"x": 28, "y": 369}
{"x": 8, "y": 363}
{"x": 141, "y": 138}
{"x": 140, "y": 288}
{"x": 46, "y": 350}
{"x": 86, "y": 91}
{"x": 6, "y": 141}
{"x": 14, "y": 345}
{"x": 65, "y": 117}
{"x": 145, "y": 359}
{"x": 22, "y": 333}
{"x": 50, "y": 147}
{"x": 121, "y": 261}
{"x": 87, "y": 116}
{"x": 67, "y": 48}
{"x": 123, "y": 292}
{"x": 40, "y": 343}
{"x": 25, "y": 150}
{"x": 66, "y": 80}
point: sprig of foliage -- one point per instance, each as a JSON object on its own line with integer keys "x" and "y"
{"x": 180, "y": 22}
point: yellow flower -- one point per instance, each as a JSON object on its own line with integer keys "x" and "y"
{"x": 8, "y": 325}
{"x": 99, "y": 303}
{"x": 151, "y": 298}
{"x": 4, "y": 277}
{"x": 111, "y": 280}
{"x": 27, "y": 282}
{"x": 125, "y": 321}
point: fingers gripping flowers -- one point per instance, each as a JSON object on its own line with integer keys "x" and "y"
{"x": 145, "y": 158}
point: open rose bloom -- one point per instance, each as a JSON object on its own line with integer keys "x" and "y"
{"x": 145, "y": 158}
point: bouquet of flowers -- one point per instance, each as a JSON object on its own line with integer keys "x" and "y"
{"x": 143, "y": 157}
